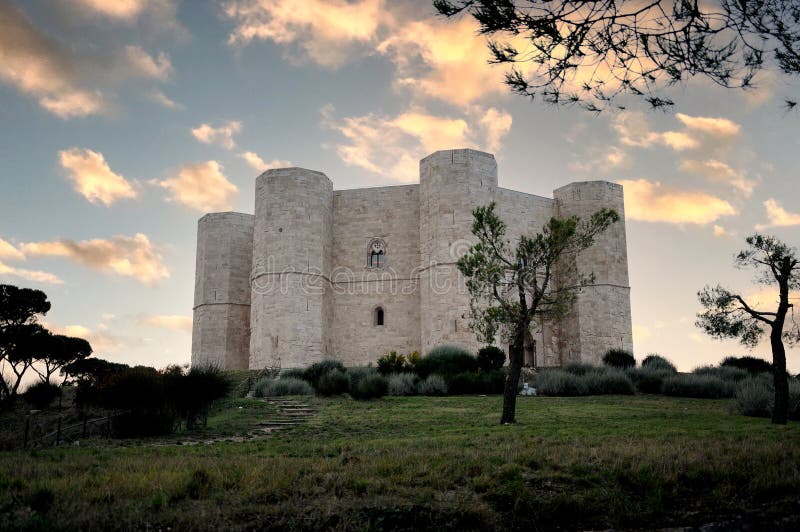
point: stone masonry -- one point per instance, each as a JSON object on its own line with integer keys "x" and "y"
{"x": 353, "y": 274}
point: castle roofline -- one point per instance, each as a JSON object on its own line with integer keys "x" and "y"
{"x": 224, "y": 214}
{"x": 454, "y": 150}
{"x": 592, "y": 182}
{"x": 288, "y": 171}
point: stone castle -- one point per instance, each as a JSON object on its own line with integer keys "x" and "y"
{"x": 350, "y": 275}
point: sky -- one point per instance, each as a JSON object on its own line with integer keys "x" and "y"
{"x": 124, "y": 121}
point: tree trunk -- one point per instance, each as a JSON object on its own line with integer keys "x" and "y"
{"x": 780, "y": 410}
{"x": 515, "y": 354}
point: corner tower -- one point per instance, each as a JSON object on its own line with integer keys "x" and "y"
{"x": 452, "y": 184}
{"x": 221, "y": 324}
{"x": 291, "y": 297}
{"x": 601, "y": 317}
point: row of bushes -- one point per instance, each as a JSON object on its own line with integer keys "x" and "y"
{"x": 755, "y": 396}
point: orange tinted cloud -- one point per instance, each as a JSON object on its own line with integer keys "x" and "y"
{"x": 93, "y": 178}
{"x": 172, "y": 322}
{"x": 29, "y": 275}
{"x": 202, "y": 187}
{"x": 652, "y": 202}
{"x": 126, "y": 256}
{"x": 258, "y": 164}
{"x": 778, "y": 216}
{"x": 119, "y": 9}
{"x": 720, "y": 172}
{"x": 222, "y": 135}
{"x": 718, "y": 127}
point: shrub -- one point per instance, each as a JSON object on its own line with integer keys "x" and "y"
{"x": 490, "y": 358}
{"x": 446, "y": 360}
{"x": 392, "y": 363}
{"x": 558, "y": 382}
{"x": 370, "y": 387}
{"x": 463, "y": 384}
{"x": 315, "y": 371}
{"x": 402, "y": 384}
{"x": 193, "y": 393}
{"x": 794, "y": 399}
{"x": 619, "y": 358}
{"x": 293, "y": 373}
{"x": 433, "y": 385}
{"x": 657, "y": 362}
{"x": 609, "y": 382}
{"x": 333, "y": 383}
{"x": 750, "y": 364}
{"x": 726, "y": 373}
{"x": 579, "y": 369}
{"x": 648, "y": 380}
{"x": 358, "y": 373}
{"x": 753, "y": 397}
{"x": 413, "y": 358}
{"x": 282, "y": 386}
{"x": 42, "y": 394}
{"x": 699, "y": 386}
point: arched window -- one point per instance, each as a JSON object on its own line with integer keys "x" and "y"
{"x": 376, "y": 253}
{"x": 378, "y": 317}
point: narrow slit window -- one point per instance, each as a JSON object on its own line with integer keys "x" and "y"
{"x": 379, "y": 317}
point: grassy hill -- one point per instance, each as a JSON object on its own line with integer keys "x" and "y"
{"x": 424, "y": 462}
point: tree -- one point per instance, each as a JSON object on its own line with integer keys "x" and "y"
{"x": 728, "y": 315}
{"x": 20, "y": 309}
{"x": 589, "y": 52}
{"x": 510, "y": 287}
{"x": 57, "y": 351}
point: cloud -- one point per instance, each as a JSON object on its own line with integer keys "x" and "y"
{"x": 443, "y": 59}
{"x": 100, "y": 339}
{"x": 721, "y": 232}
{"x": 146, "y": 65}
{"x": 8, "y": 251}
{"x": 778, "y": 216}
{"x": 634, "y": 129}
{"x": 66, "y": 81}
{"x": 162, "y": 99}
{"x": 115, "y": 9}
{"x": 93, "y": 178}
{"x": 324, "y": 31}
{"x": 720, "y": 172}
{"x": 172, "y": 322}
{"x": 126, "y": 256}
{"x": 202, "y": 187}
{"x": 222, "y": 135}
{"x": 652, "y": 202}
{"x": 717, "y": 127}
{"x": 392, "y": 146}
{"x": 30, "y": 275}
{"x": 157, "y": 14}
{"x": 600, "y": 160}
{"x": 258, "y": 164}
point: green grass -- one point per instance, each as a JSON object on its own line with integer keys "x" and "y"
{"x": 424, "y": 462}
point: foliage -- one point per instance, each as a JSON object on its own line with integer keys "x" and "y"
{"x": 394, "y": 363}
{"x": 654, "y": 361}
{"x": 726, "y": 373}
{"x": 557, "y": 382}
{"x": 42, "y": 394}
{"x": 370, "y": 387}
{"x": 750, "y": 364}
{"x": 509, "y": 287}
{"x": 647, "y": 379}
{"x": 356, "y": 374}
{"x": 753, "y": 397}
{"x": 193, "y": 393}
{"x": 490, "y": 358}
{"x": 728, "y": 315}
{"x": 579, "y": 368}
{"x": 619, "y": 358}
{"x": 697, "y": 386}
{"x": 594, "y": 381}
{"x": 334, "y": 382}
{"x": 315, "y": 371}
{"x": 608, "y": 382}
{"x": 292, "y": 373}
{"x": 413, "y": 358}
{"x": 402, "y": 384}
{"x": 282, "y": 386}
{"x": 592, "y": 53}
{"x": 489, "y": 383}
{"x": 433, "y": 385}
{"x": 446, "y": 360}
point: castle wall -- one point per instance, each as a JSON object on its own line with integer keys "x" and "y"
{"x": 601, "y": 317}
{"x": 392, "y": 215}
{"x": 221, "y": 323}
{"x": 452, "y": 184}
{"x": 291, "y": 303}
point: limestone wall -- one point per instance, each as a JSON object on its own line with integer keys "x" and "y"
{"x": 359, "y": 216}
{"x": 221, "y": 324}
{"x": 601, "y": 318}
{"x": 452, "y": 184}
{"x": 291, "y": 303}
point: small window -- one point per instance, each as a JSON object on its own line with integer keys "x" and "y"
{"x": 376, "y": 253}
{"x": 379, "y": 317}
